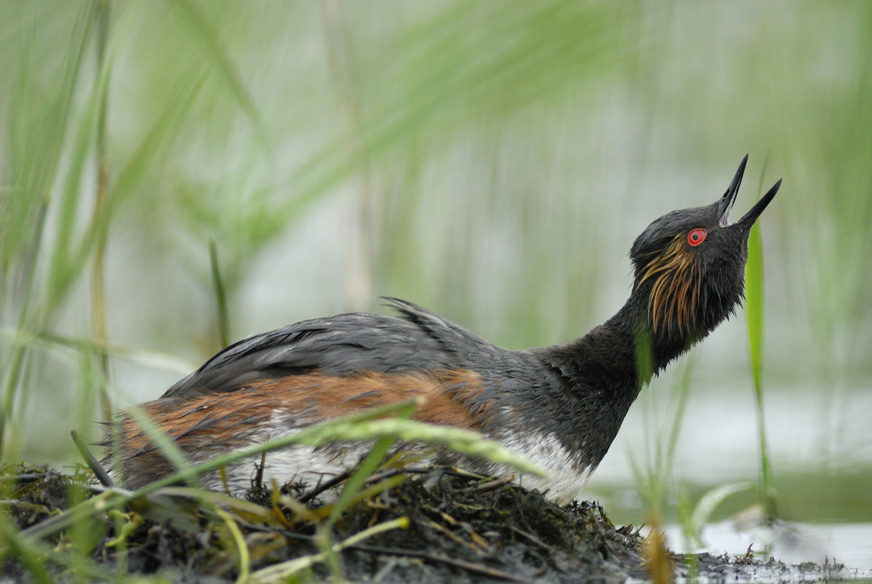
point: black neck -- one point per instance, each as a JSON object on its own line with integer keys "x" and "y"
{"x": 622, "y": 353}
{"x": 602, "y": 373}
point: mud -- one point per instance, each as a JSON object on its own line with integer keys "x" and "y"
{"x": 460, "y": 529}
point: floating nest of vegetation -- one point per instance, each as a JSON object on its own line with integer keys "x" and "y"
{"x": 421, "y": 525}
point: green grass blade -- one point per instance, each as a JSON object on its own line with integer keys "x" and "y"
{"x": 754, "y": 307}
{"x": 201, "y": 32}
{"x": 706, "y": 506}
{"x": 369, "y": 465}
{"x": 135, "y": 170}
{"x": 754, "y": 300}
{"x": 37, "y": 131}
{"x": 163, "y": 442}
{"x": 284, "y": 571}
{"x": 220, "y": 295}
{"x": 34, "y": 555}
{"x": 25, "y": 550}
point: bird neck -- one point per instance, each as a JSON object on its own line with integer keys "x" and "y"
{"x": 652, "y": 349}
{"x": 598, "y": 377}
{"x": 621, "y": 354}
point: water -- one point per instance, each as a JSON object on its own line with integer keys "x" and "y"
{"x": 792, "y": 543}
{"x": 827, "y": 490}
{"x": 718, "y": 442}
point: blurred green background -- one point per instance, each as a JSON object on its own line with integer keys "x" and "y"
{"x": 490, "y": 160}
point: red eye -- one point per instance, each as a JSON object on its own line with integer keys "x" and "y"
{"x": 696, "y": 237}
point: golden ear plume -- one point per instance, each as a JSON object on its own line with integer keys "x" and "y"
{"x": 675, "y": 292}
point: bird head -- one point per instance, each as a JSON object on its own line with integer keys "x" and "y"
{"x": 689, "y": 266}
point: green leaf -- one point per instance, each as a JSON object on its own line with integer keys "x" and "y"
{"x": 754, "y": 304}
{"x": 38, "y": 130}
{"x": 754, "y": 299}
{"x": 201, "y": 32}
{"x": 709, "y": 502}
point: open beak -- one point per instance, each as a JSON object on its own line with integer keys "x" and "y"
{"x": 726, "y": 202}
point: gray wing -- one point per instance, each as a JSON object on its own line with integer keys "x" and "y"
{"x": 342, "y": 345}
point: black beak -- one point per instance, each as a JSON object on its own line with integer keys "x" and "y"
{"x": 748, "y": 219}
{"x": 726, "y": 202}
